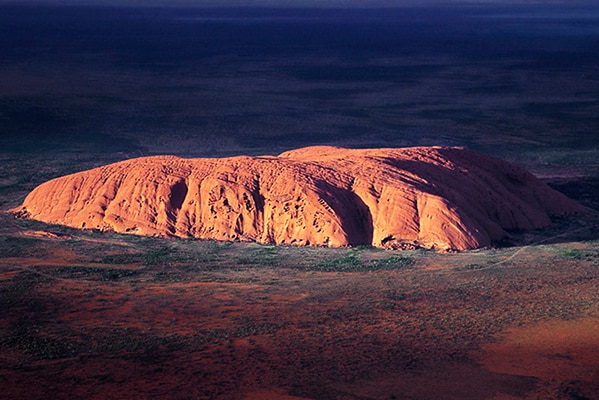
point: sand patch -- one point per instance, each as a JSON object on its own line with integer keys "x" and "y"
{"x": 46, "y": 235}
{"x": 565, "y": 353}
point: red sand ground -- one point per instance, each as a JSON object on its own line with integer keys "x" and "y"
{"x": 435, "y": 330}
{"x": 553, "y": 351}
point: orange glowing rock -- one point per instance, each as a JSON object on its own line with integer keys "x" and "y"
{"x": 432, "y": 197}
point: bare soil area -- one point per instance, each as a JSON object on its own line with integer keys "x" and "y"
{"x": 116, "y": 316}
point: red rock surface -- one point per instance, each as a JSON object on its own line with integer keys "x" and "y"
{"x": 432, "y": 197}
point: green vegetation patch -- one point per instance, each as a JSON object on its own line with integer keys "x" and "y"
{"x": 121, "y": 258}
{"x": 576, "y": 254}
{"x": 91, "y": 273}
{"x": 159, "y": 256}
{"x": 352, "y": 261}
{"x": 14, "y": 246}
{"x": 261, "y": 256}
{"x": 182, "y": 251}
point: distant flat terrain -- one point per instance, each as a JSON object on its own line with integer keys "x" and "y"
{"x": 519, "y": 81}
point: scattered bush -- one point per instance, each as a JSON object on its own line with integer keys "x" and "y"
{"x": 352, "y": 262}
{"x": 124, "y": 258}
{"x": 93, "y": 273}
{"x": 156, "y": 257}
{"x": 576, "y": 254}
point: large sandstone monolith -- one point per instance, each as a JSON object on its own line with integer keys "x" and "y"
{"x": 434, "y": 197}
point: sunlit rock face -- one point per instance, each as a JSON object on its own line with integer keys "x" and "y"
{"x": 433, "y": 197}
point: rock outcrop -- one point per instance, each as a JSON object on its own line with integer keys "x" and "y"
{"x": 432, "y": 197}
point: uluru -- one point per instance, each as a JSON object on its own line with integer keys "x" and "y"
{"x": 447, "y": 198}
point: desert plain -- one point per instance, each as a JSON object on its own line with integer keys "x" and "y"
{"x": 96, "y": 315}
